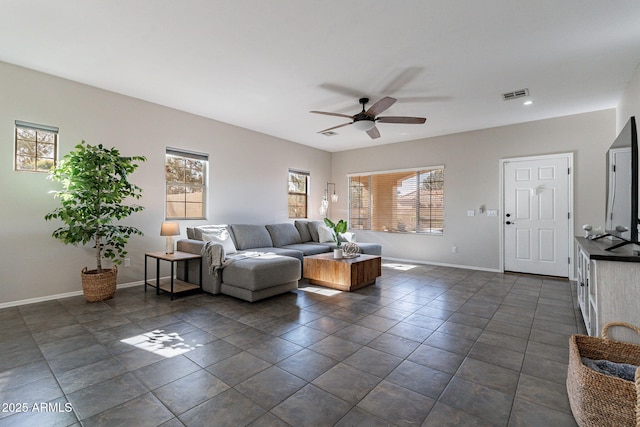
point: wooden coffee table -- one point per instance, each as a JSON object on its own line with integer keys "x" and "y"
{"x": 345, "y": 274}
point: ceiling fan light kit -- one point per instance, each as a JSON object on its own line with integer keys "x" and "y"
{"x": 366, "y": 120}
{"x": 364, "y": 125}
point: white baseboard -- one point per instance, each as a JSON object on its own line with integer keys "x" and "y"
{"x": 58, "y": 296}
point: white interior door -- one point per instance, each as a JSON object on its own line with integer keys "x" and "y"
{"x": 536, "y": 215}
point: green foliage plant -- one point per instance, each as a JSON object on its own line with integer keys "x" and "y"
{"x": 338, "y": 227}
{"x": 95, "y": 187}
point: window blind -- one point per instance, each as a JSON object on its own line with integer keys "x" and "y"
{"x": 399, "y": 201}
{"x": 36, "y": 126}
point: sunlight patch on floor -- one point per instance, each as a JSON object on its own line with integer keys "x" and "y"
{"x": 161, "y": 343}
{"x": 320, "y": 290}
{"x": 398, "y": 266}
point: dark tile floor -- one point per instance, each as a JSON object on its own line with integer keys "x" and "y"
{"x": 425, "y": 345}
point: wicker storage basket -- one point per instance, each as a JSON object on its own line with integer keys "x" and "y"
{"x": 596, "y": 399}
{"x": 99, "y": 286}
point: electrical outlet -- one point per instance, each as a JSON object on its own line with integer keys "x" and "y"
{"x": 127, "y": 262}
{"x": 454, "y": 249}
{"x": 471, "y": 212}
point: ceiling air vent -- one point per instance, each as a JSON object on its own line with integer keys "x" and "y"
{"x": 515, "y": 94}
{"x": 329, "y": 133}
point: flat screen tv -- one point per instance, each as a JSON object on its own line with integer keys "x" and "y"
{"x": 622, "y": 187}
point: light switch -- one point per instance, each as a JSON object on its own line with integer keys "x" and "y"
{"x": 471, "y": 212}
{"x": 492, "y": 212}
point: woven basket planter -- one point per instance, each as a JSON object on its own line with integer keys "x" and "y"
{"x": 597, "y": 399}
{"x": 99, "y": 286}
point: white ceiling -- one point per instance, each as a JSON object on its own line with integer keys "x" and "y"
{"x": 263, "y": 65}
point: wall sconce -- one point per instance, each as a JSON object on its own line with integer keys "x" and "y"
{"x": 169, "y": 229}
{"x": 324, "y": 205}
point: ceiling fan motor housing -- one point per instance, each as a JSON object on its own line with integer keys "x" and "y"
{"x": 366, "y": 119}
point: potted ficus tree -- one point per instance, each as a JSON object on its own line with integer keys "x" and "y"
{"x": 337, "y": 227}
{"x": 95, "y": 187}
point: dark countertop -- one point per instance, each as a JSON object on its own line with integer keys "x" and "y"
{"x": 596, "y": 250}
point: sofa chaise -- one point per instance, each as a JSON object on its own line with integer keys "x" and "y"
{"x": 261, "y": 260}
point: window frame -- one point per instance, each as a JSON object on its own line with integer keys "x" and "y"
{"x": 290, "y": 193}
{"x": 186, "y": 155}
{"x": 368, "y": 220}
{"x": 38, "y": 128}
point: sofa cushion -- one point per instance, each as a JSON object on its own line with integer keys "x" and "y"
{"x": 249, "y": 236}
{"x": 309, "y": 248}
{"x": 283, "y": 234}
{"x": 223, "y": 237}
{"x": 190, "y": 233}
{"x": 303, "y": 230}
{"x": 292, "y": 253}
{"x": 313, "y": 229}
{"x": 261, "y": 271}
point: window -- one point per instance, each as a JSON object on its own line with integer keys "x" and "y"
{"x": 298, "y": 193}
{"x": 409, "y": 201}
{"x": 36, "y": 147}
{"x": 186, "y": 175}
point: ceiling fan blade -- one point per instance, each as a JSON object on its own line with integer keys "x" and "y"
{"x": 422, "y": 99}
{"x": 331, "y": 114}
{"x": 336, "y": 127}
{"x": 399, "y": 119}
{"x": 373, "y": 133}
{"x": 405, "y": 77}
{"x": 381, "y": 105}
{"x": 342, "y": 90}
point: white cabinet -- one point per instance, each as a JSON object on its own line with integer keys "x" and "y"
{"x": 584, "y": 278}
{"x": 608, "y": 287}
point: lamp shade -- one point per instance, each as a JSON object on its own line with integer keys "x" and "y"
{"x": 170, "y": 229}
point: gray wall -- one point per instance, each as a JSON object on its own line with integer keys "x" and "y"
{"x": 630, "y": 103}
{"x": 472, "y": 161}
{"x": 248, "y": 176}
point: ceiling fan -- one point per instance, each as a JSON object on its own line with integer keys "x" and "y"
{"x": 366, "y": 120}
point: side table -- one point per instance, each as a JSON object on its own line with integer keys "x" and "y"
{"x": 171, "y": 285}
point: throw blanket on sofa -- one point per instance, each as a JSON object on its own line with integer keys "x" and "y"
{"x": 215, "y": 256}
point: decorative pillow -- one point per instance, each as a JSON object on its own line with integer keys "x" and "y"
{"x": 223, "y": 237}
{"x": 325, "y": 234}
{"x": 213, "y": 228}
{"x": 347, "y": 237}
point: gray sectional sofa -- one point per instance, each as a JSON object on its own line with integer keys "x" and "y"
{"x": 268, "y": 258}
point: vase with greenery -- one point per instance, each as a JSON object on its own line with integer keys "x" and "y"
{"x": 337, "y": 227}
{"x": 95, "y": 187}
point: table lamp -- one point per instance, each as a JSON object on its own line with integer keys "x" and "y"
{"x": 170, "y": 229}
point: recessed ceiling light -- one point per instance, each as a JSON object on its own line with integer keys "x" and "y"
{"x": 527, "y": 102}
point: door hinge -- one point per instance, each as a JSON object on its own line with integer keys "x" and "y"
{"x": 568, "y": 215}
{"x": 568, "y": 171}
{"x": 568, "y": 260}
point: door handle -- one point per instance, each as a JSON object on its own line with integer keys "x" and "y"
{"x": 509, "y": 222}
